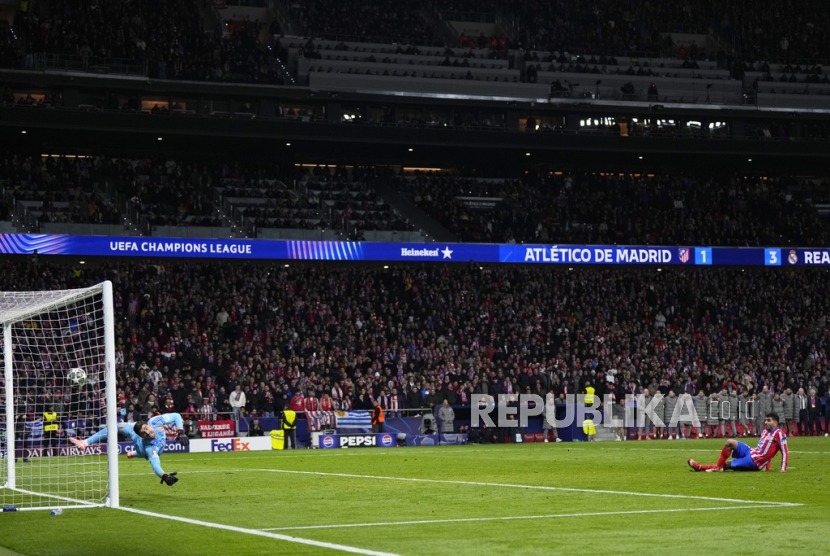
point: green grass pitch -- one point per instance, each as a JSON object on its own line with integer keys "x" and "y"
{"x": 263, "y": 491}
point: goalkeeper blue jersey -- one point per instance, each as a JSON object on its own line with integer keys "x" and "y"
{"x": 157, "y": 444}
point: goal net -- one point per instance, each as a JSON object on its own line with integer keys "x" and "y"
{"x": 45, "y": 335}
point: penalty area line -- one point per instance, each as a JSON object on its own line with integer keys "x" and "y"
{"x": 536, "y": 487}
{"x": 259, "y": 533}
{"x": 508, "y": 518}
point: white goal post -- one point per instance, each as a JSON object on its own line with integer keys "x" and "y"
{"x": 45, "y": 335}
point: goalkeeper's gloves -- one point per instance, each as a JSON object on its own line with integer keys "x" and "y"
{"x": 170, "y": 479}
{"x": 183, "y": 439}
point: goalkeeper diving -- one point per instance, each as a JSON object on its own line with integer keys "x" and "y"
{"x": 148, "y": 439}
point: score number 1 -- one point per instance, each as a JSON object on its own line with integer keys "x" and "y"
{"x": 703, "y": 255}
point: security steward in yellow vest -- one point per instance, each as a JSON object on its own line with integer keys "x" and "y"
{"x": 50, "y": 427}
{"x": 289, "y": 427}
{"x": 589, "y": 429}
{"x": 589, "y": 394}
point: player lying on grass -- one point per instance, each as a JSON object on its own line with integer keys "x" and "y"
{"x": 745, "y": 458}
{"x": 148, "y": 439}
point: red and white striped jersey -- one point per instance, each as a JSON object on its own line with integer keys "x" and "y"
{"x": 768, "y": 445}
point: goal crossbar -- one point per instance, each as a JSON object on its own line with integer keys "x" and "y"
{"x": 20, "y": 306}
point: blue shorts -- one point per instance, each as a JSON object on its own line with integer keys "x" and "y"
{"x": 742, "y": 458}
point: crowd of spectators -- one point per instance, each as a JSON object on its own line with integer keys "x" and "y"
{"x": 69, "y": 189}
{"x": 577, "y": 208}
{"x": 189, "y": 334}
{"x": 184, "y": 193}
{"x": 167, "y": 192}
{"x": 316, "y": 50}
{"x": 169, "y": 37}
{"x": 496, "y": 43}
{"x": 757, "y": 31}
{"x": 268, "y": 204}
{"x": 370, "y": 21}
{"x": 590, "y": 24}
{"x": 600, "y": 65}
{"x": 56, "y": 189}
{"x": 321, "y": 198}
{"x": 809, "y": 74}
{"x": 351, "y": 197}
{"x": 767, "y": 30}
{"x": 434, "y": 74}
{"x": 441, "y": 197}
{"x": 627, "y": 209}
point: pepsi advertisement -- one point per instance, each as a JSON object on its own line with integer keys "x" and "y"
{"x": 383, "y": 440}
{"x": 567, "y": 255}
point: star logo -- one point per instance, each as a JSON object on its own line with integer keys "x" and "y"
{"x": 447, "y": 253}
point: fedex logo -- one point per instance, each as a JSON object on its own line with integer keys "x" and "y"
{"x": 234, "y": 445}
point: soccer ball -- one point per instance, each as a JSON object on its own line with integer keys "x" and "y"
{"x": 77, "y": 376}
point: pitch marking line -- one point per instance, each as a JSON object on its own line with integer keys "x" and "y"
{"x": 332, "y": 546}
{"x": 692, "y": 450}
{"x": 537, "y": 487}
{"x": 316, "y": 454}
{"x": 186, "y": 472}
{"x": 81, "y": 503}
{"x": 338, "y": 526}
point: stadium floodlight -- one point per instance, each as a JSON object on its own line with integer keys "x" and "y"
{"x": 58, "y": 350}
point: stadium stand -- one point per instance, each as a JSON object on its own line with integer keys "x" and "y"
{"x": 769, "y": 31}
{"x": 181, "y": 198}
{"x": 541, "y": 73}
{"x": 342, "y": 202}
{"x": 371, "y": 21}
{"x": 172, "y": 193}
{"x": 184, "y": 329}
{"x": 589, "y": 208}
{"x": 374, "y": 142}
{"x": 56, "y": 193}
{"x": 167, "y": 197}
{"x": 386, "y": 44}
{"x": 162, "y": 40}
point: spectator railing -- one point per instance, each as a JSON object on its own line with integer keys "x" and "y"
{"x": 47, "y": 61}
{"x": 196, "y": 232}
{"x": 82, "y": 229}
{"x": 597, "y": 52}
